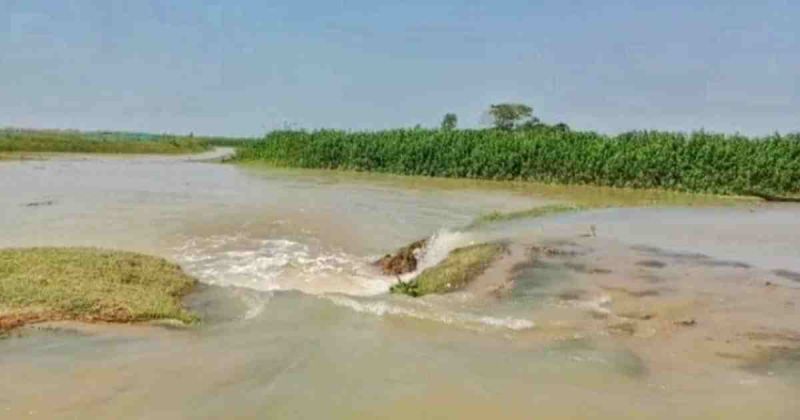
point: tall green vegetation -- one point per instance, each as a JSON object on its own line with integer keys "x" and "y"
{"x": 697, "y": 162}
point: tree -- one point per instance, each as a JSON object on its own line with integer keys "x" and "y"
{"x": 561, "y": 127}
{"x": 532, "y": 123}
{"x": 449, "y": 122}
{"x": 507, "y": 116}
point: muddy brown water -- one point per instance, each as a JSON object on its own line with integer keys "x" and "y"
{"x": 688, "y": 308}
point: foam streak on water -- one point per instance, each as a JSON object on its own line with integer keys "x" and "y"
{"x": 464, "y": 320}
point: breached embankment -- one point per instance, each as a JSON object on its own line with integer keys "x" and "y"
{"x": 482, "y": 267}
{"x": 666, "y": 306}
{"x": 455, "y": 272}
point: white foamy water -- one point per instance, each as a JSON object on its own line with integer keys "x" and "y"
{"x": 439, "y": 247}
{"x": 430, "y": 313}
{"x": 290, "y": 264}
{"x": 284, "y": 264}
{"x": 278, "y": 264}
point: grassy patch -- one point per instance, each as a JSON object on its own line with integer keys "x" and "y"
{"x": 16, "y": 141}
{"x": 88, "y": 284}
{"x": 230, "y": 142}
{"x": 548, "y": 210}
{"x": 456, "y": 271}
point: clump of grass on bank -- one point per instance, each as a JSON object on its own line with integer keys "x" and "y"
{"x": 16, "y": 141}
{"x": 456, "y": 271}
{"x": 88, "y": 284}
{"x": 542, "y": 211}
{"x": 697, "y": 162}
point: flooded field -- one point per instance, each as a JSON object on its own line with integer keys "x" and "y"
{"x": 650, "y": 305}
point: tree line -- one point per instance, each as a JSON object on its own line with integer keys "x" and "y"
{"x": 507, "y": 117}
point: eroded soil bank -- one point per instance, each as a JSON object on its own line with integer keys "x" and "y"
{"x": 89, "y": 285}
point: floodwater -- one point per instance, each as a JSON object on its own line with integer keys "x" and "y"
{"x": 688, "y": 307}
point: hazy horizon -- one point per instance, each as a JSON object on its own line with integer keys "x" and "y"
{"x": 242, "y": 69}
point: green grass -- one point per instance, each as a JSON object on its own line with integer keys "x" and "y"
{"x": 229, "y": 142}
{"x": 542, "y": 211}
{"x": 698, "y": 162}
{"x": 44, "y": 141}
{"x": 456, "y": 271}
{"x": 88, "y": 284}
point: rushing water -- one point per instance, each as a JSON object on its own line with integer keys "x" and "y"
{"x": 668, "y": 312}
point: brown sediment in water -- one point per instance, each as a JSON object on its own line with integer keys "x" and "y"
{"x": 91, "y": 325}
{"x": 698, "y": 318}
{"x": 12, "y": 321}
{"x": 786, "y": 274}
{"x": 108, "y": 329}
{"x": 651, "y": 264}
{"x": 773, "y": 198}
{"x": 496, "y": 280}
{"x": 10, "y": 156}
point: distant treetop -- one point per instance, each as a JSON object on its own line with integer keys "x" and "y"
{"x": 449, "y": 122}
{"x": 508, "y": 116}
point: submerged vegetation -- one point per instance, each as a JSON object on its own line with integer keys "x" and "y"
{"x": 697, "y": 162}
{"x": 542, "y": 211}
{"x": 66, "y": 141}
{"x": 87, "y": 284}
{"x": 456, "y": 271}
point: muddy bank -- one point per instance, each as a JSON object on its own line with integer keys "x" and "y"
{"x": 403, "y": 261}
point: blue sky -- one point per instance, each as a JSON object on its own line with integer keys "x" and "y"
{"x": 245, "y": 67}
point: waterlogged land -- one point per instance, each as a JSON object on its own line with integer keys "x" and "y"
{"x": 636, "y": 304}
{"x": 560, "y": 195}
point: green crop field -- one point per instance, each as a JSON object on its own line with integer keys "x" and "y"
{"x": 697, "y": 162}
